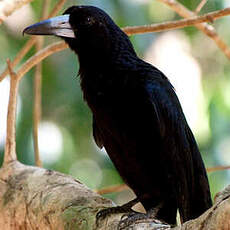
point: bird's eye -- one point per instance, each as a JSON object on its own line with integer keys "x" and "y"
{"x": 89, "y": 20}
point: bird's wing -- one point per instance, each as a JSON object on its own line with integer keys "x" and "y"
{"x": 171, "y": 124}
{"x": 182, "y": 153}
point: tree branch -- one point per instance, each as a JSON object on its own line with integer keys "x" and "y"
{"x": 217, "y": 168}
{"x": 39, "y": 56}
{"x": 37, "y": 109}
{"x": 20, "y": 55}
{"x": 10, "y": 146}
{"x": 31, "y": 41}
{"x": 36, "y": 198}
{"x": 204, "y": 27}
{"x": 200, "y": 6}
{"x": 193, "y": 20}
{"x": 129, "y": 30}
{"x": 122, "y": 187}
{"x": 57, "y": 8}
{"x": 113, "y": 188}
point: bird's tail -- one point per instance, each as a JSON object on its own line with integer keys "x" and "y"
{"x": 199, "y": 192}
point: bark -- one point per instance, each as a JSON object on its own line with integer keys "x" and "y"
{"x": 36, "y": 198}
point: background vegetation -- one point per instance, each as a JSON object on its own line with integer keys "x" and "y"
{"x": 199, "y": 71}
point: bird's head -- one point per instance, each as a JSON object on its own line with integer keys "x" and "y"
{"x": 88, "y": 30}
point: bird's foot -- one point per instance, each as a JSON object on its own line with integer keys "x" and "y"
{"x": 130, "y": 218}
{"x": 134, "y": 217}
{"x": 126, "y": 208}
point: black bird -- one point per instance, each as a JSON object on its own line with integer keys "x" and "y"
{"x": 137, "y": 116}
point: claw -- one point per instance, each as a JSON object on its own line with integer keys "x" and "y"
{"x": 145, "y": 217}
{"x": 130, "y": 218}
{"x": 126, "y": 208}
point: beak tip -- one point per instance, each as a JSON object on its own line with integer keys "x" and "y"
{"x": 26, "y": 31}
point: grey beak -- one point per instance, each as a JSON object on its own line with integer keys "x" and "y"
{"x": 58, "y": 26}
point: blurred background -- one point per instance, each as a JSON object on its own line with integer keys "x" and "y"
{"x": 199, "y": 71}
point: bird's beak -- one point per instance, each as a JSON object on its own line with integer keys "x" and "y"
{"x": 58, "y": 26}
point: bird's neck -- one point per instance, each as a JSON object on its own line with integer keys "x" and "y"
{"x": 103, "y": 63}
{"x": 107, "y": 54}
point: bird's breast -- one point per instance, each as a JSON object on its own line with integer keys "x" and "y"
{"x": 103, "y": 89}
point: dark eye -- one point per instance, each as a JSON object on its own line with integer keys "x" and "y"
{"x": 89, "y": 20}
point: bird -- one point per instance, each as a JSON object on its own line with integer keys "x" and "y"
{"x": 136, "y": 115}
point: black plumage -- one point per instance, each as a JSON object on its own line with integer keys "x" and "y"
{"x": 137, "y": 118}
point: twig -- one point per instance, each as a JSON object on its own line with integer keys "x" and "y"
{"x": 39, "y": 56}
{"x": 217, "y": 168}
{"x": 37, "y": 110}
{"x": 204, "y": 27}
{"x": 114, "y": 188}
{"x": 30, "y": 42}
{"x": 10, "y": 147}
{"x": 210, "y": 17}
{"x": 122, "y": 187}
{"x": 57, "y": 7}
{"x": 45, "y": 9}
{"x": 20, "y": 55}
{"x": 200, "y": 6}
{"x": 37, "y": 106}
{"x": 180, "y": 9}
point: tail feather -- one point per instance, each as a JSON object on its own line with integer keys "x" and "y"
{"x": 200, "y": 197}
